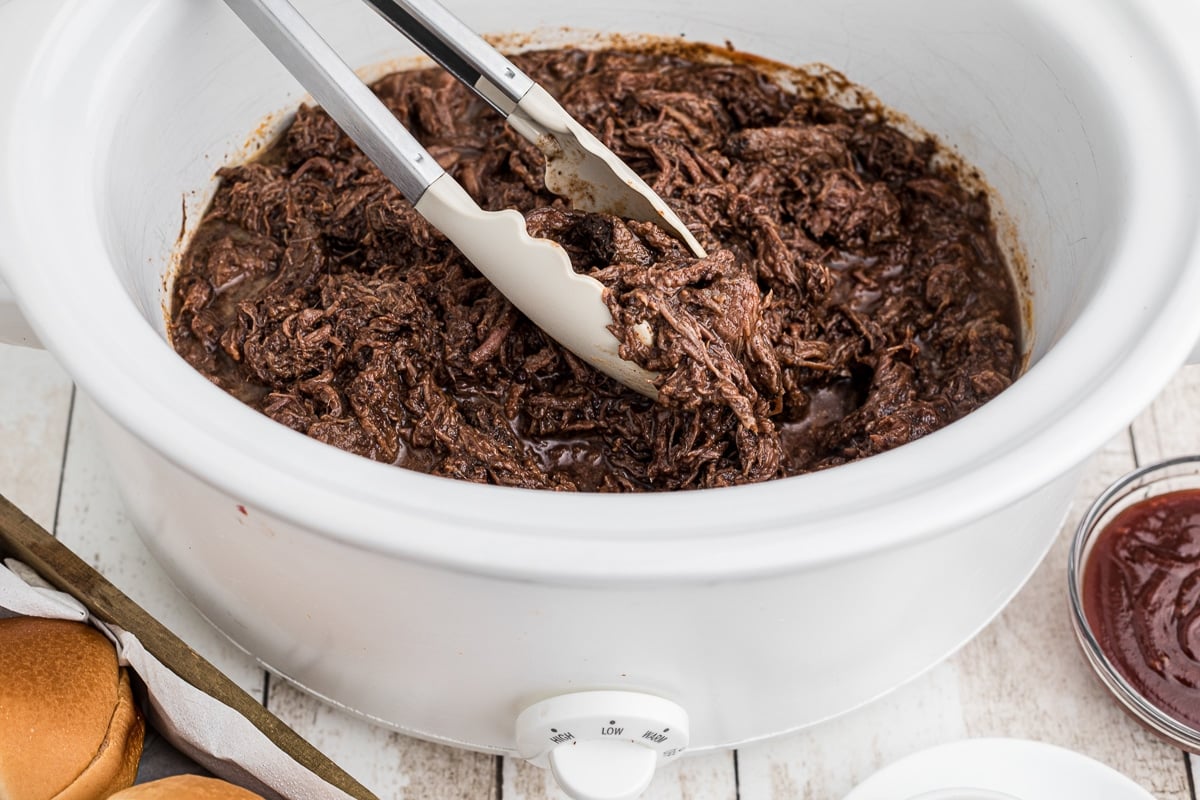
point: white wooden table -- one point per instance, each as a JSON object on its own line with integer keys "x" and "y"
{"x": 1021, "y": 677}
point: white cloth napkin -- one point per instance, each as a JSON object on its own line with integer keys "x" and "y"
{"x": 206, "y": 730}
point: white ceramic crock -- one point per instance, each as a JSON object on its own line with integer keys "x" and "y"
{"x": 444, "y": 608}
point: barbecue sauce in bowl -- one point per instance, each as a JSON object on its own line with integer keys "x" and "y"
{"x": 1141, "y": 599}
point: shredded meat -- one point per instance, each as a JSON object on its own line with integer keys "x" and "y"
{"x": 853, "y": 297}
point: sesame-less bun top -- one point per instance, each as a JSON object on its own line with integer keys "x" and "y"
{"x": 186, "y": 787}
{"x": 69, "y": 726}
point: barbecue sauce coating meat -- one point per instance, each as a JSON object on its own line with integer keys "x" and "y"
{"x": 853, "y": 298}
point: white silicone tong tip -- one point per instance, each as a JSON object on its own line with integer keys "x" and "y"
{"x": 536, "y": 276}
{"x": 580, "y": 168}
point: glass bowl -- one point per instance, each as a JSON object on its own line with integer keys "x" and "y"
{"x": 1137, "y": 487}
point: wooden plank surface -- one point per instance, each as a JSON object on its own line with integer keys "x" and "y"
{"x": 35, "y": 406}
{"x": 1022, "y": 676}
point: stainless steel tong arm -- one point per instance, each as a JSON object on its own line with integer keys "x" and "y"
{"x": 336, "y": 87}
{"x": 578, "y": 165}
{"x": 461, "y": 51}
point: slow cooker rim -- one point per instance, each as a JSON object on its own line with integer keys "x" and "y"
{"x": 55, "y": 331}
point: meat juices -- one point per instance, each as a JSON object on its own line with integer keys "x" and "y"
{"x": 854, "y": 297}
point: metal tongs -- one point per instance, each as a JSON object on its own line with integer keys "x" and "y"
{"x": 534, "y": 274}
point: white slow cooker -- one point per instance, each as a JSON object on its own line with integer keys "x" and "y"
{"x": 445, "y": 609}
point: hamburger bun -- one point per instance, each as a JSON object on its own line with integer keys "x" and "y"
{"x": 69, "y": 726}
{"x": 186, "y": 787}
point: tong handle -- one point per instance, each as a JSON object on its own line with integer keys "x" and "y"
{"x": 461, "y": 51}
{"x": 336, "y": 87}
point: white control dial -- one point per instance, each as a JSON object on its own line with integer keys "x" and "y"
{"x": 602, "y": 745}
